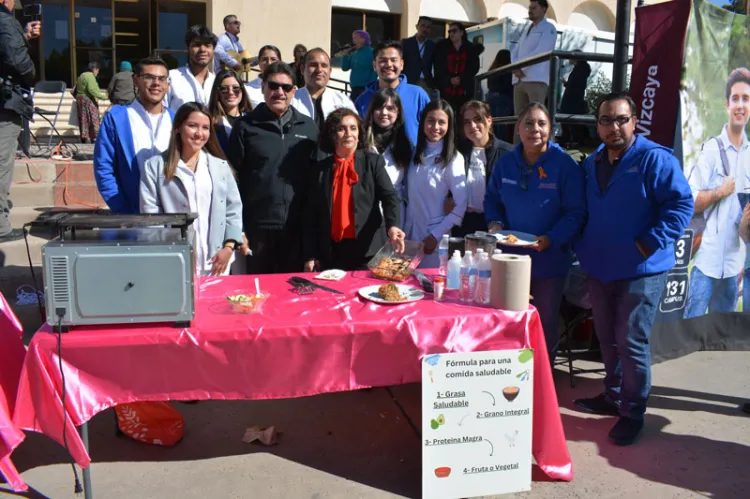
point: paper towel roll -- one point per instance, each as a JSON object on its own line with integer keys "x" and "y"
{"x": 510, "y": 282}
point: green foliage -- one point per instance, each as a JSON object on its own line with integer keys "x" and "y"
{"x": 717, "y": 42}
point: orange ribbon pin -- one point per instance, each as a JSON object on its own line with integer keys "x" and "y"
{"x": 542, "y": 173}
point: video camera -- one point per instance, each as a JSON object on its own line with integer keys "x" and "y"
{"x": 34, "y": 11}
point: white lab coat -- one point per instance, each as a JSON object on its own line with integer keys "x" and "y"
{"x": 255, "y": 92}
{"x": 398, "y": 179}
{"x": 540, "y": 39}
{"x": 183, "y": 87}
{"x": 428, "y": 186}
{"x": 331, "y": 100}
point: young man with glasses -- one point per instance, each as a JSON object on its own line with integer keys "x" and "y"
{"x": 316, "y": 100}
{"x": 131, "y": 134}
{"x": 638, "y": 203}
{"x": 193, "y": 82}
{"x": 273, "y": 149}
{"x": 228, "y": 41}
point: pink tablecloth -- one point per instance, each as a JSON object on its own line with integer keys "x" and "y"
{"x": 299, "y": 346}
{"x": 12, "y": 353}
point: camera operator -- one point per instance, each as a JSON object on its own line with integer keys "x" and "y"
{"x": 17, "y": 74}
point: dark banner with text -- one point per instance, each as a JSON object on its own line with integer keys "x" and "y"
{"x": 657, "y": 64}
{"x": 706, "y": 301}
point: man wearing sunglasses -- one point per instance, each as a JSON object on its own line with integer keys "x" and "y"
{"x": 272, "y": 149}
{"x": 193, "y": 83}
{"x": 639, "y": 202}
{"x": 316, "y": 100}
{"x": 228, "y": 42}
{"x": 130, "y": 135}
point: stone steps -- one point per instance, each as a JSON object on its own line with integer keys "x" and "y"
{"x": 49, "y": 102}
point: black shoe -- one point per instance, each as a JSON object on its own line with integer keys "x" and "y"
{"x": 598, "y": 405}
{"x": 13, "y": 235}
{"x": 745, "y": 407}
{"x": 625, "y": 431}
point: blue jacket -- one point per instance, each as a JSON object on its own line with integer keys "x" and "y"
{"x": 116, "y": 170}
{"x": 552, "y": 205}
{"x": 360, "y": 62}
{"x": 647, "y": 200}
{"x": 413, "y": 98}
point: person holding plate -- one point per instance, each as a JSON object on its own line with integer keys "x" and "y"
{"x": 538, "y": 189}
{"x": 345, "y": 228}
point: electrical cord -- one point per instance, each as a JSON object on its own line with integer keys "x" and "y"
{"x": 39, "y": 296}
{"x": 60, "y": 314}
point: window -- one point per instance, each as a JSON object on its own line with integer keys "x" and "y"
{"x": 380, "y": 26}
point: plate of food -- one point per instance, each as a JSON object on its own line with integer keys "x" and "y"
{"x": 514, "y": 238}
{"x": 391, "y": 294}
{"x": 331, "y": 275}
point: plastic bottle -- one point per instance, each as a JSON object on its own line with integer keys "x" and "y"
{"x": 497, "y": 252}
{"x": 484, "y": 273}
{"x": 443, "y": 253}
{"x": 466, "y": 292}
{"x": 454, "y": 271}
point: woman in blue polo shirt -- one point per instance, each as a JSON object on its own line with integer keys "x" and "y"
{"x": 539, "y": 189}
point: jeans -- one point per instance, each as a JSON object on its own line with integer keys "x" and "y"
{"x": 714, "y": 295}
{"x": 548, "y": 295}
{"x": 10, "y": 128}
{"x": 746, "y": 292}
{"x": 624, "y": 312}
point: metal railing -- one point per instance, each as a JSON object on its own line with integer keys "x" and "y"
{"x": 554, "y": 57}
{"x": 346, "y": 90}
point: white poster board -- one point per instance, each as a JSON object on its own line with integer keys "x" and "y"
{"x": 476, "y": 423}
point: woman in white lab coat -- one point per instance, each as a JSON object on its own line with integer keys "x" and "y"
{"x": 436, "y": 172}
{"x": 193, "y": 177}
{"x": 386, "y": 135}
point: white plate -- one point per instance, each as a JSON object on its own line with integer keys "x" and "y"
{"x": 524, "y": 238}
{"x": 331, "y": 275}
{"x": 411, "y": 294}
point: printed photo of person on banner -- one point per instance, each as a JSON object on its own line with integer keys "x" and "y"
{"x": 720, "y": 182}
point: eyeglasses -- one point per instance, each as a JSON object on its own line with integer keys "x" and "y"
{"x": 236, "y": 90}
{"x": 274, "y": 85}
{"x": 238, "y": 23}
{"x": 620, "y": 120}
{"x": 149, "y": 78}
{"x": 451, "y": 31}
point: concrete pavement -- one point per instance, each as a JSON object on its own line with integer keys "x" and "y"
{"x": 360, "y": 445}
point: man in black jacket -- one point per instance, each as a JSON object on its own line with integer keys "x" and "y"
{"x": 418, "y": 54}
{"x": 272, "y": 149}
{"x": 17, "y": 75}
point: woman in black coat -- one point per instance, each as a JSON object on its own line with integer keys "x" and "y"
{"x": 345, "y": 228}
{"x": 456, "y": 65}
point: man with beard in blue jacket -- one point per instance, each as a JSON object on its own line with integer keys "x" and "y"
{"x": 388, "y": 63}
{"x": 639, "y": 202}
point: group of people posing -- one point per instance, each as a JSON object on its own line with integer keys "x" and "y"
{"x": 305, "y": 179}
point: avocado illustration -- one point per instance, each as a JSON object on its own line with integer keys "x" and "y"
{"x": 525, "y": 355}
{"x": 434, "y": 424}
{"x": 441, "y": 420}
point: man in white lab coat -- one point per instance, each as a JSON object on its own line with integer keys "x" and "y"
{"x": 316, "y": 100}
{"x": 193, "y": 82}
{"x": 530, "y": 83}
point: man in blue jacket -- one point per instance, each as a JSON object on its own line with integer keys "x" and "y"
{"x": 639, "y": 203}
{"x": 131, "y": 134}
{"x": 389, "y": 63}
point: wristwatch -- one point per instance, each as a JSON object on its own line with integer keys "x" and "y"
{"x": 230, "y": 243}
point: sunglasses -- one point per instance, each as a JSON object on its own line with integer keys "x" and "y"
{"x": 286, "y": 87}
{"x": 236, "y": 90}
{"x": 238, "y": 23}
{"x": 525, "y": 172}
